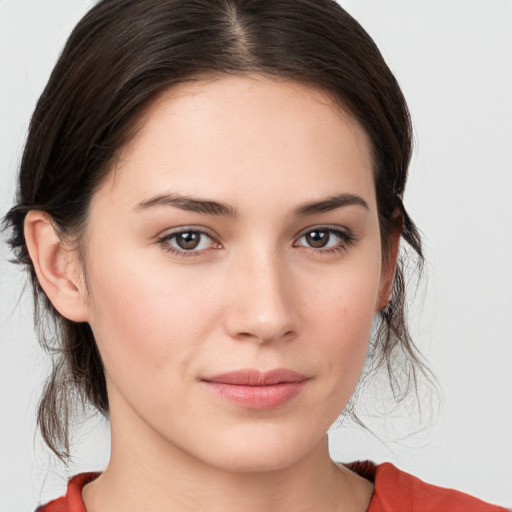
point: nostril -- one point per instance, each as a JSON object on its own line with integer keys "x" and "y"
{"x": 262, "y": 337}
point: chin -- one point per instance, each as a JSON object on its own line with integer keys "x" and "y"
{"x": 259, "y": 451}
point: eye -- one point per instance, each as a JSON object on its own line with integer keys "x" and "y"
{"x": 189, "y": 241}
{"x": 326, "y": 239}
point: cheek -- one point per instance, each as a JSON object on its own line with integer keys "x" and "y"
{"x": 344, "y": 300}
{"x": 340, "y": 312}
{"x": 145, "y": 318}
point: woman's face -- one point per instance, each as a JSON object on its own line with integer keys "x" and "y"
{"x": 233, "y": 263}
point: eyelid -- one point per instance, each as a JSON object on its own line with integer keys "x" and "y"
{"x": 324, "y": 227}
{"x": 163, "y": 240}
{"x": 348, "y": 238}
{"x": 167, "y": 233}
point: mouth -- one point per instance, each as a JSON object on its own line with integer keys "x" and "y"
{"x": 258, "y": 390}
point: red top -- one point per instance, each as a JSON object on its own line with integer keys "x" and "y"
{"x": 395, "y": 491}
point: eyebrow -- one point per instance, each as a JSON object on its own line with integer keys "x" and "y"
{"x": 209, "y": 207}
{"x": 190, "y": 204}
{"x": 330, "y": 204}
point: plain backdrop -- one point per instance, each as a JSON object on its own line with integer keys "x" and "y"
{"x": 453, "y": 59}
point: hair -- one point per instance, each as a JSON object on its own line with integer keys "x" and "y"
{"x": 118, "y": 59}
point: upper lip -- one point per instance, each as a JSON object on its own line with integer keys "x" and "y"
{"x": 252, "y": 377}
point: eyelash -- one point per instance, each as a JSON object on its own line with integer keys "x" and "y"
{"x": 182, "y": 253}
{"x": 346, "y": 240}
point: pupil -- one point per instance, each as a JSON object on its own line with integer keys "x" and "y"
{"x": 317, "y": 239}
{"x": 188, "y": 240}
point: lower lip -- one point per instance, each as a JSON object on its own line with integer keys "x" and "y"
{"x": 257, "y": 397}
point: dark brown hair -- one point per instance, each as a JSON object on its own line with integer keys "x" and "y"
{"x": 120, "y": 56}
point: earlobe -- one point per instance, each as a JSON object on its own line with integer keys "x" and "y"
{"x": 56, "y": 267}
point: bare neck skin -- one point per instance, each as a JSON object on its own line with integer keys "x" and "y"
{"x": 145, "y": 474}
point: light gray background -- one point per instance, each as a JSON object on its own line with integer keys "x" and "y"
{"x": 453, "y": 59}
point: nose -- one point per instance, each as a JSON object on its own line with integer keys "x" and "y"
{"x": 262, "y": 300}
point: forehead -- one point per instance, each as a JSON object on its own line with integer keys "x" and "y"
{"x": 230, "y": 133}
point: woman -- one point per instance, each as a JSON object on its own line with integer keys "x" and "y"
{"x": 211, "y": 209}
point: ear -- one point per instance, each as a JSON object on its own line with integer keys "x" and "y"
{"x": 56, "y": 266}
{"x": 389, "y": 264}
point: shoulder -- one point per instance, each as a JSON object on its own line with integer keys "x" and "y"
{"x": 72, "y": 501}
{"x": 396, "y": 490}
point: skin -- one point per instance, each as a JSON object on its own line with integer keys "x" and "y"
{"x": 253, "y": 294}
